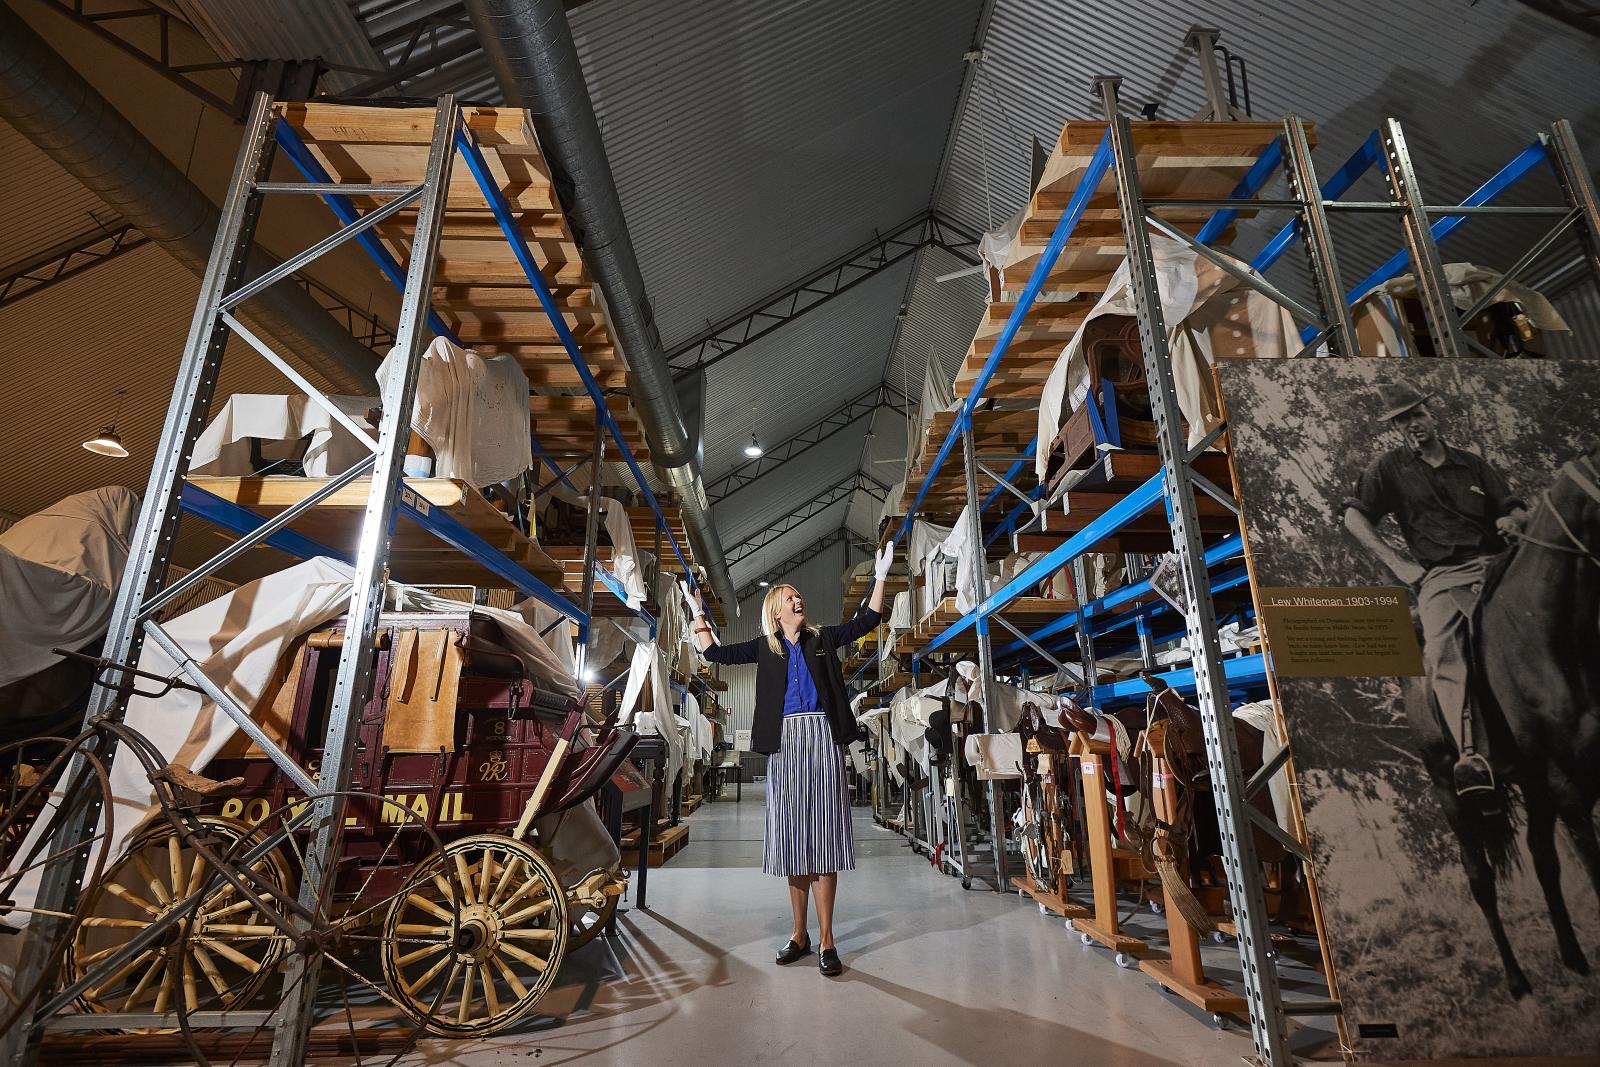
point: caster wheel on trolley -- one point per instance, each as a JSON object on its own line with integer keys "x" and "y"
{"x": 1155, "y": 907}
{"x": 1218, "y": 937}
{"x": 225, "y": 951}
{"x": 1219, "y": 1021}
{"x": 1088, "y": 942}
{"x": 474, "y": 967}
{"x": 1126, "y": 961}
{"x": 966, "y": 883}
{"x": 1043, "y": 910}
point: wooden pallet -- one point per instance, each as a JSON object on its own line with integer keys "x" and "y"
{"x": 995, "y": 432}
{"x": 860, "y": 588}
{"x": 1050, "y": 901}
{"x": 1203, "y": 160}
{"x": 1027, "y": 614}
{"x": 415, "y": 555}
{"x": 480, "y": 289}
{"x": 668, "y": 843}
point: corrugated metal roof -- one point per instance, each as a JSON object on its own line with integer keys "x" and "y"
{"x": 69, "y": 366}
{"x": 41, "y": 206}
{"x": 286, "y": 29}
{"x": 801, "y": 372}
{"x": 786, "y": 489}
{"x": 818, "y": 527}
{"x": 941, "y": 320}
{"x": 753, "y": 140}
{"x": 1489, "y": 77}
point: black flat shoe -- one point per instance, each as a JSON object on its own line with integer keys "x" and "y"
{"x": 828, "y": 963}
{"x": 791, "y": 951}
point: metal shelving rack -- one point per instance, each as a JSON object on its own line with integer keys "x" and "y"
{"x": 144, "y": 591}
{"x": 1209, "y": 569}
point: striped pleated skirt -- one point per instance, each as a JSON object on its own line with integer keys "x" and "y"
{"x": 808, "y": 802}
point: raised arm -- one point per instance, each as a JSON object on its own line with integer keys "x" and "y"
{"x": 854, "y": 629}
{"x": 743, "y": 652}
{"x": 881, "y": 572}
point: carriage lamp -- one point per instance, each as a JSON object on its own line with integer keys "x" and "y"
{"x": 753, "y": 449}
{"x": 107, "y": 443}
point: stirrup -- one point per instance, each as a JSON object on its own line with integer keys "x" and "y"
{"x": 1472, "y": 775}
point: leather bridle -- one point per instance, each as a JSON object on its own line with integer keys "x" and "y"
{"x": 1582, "y": 473}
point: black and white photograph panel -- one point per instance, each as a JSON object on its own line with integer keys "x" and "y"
{"x": 1452, "y": 810}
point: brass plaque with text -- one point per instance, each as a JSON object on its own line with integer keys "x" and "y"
{"x": 1340, "y": 631}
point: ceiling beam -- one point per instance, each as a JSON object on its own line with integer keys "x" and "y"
{"x": 843, "y": 535}
{"x": 113, "y": 25}
{"x": 109, "y": 240}
{"x": 67, "y": 260}
{"x": 882, "y": 395}
{"x": 818, "y": 287}
{"x": 834, "y": 494}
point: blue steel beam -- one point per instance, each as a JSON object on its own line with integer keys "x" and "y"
{"x": 1507, "y": 176}
{"x": 1257, "y": 176}
{"x": 1239, "y": 671}
{"x": 242, "y": 521}
{"x": 1124, "y": 511}
{"x": 1098, "y": 165}
{"x": 1113, "y": 601}
{"x": 447, "y": 529}
{"x": 501, "y": 209}
{"x": 1340, "y": 182}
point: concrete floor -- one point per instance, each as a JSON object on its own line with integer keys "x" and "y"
{"x": 933, "y": 975}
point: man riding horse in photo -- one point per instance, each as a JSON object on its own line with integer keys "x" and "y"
{"x": 1454, "y": 512}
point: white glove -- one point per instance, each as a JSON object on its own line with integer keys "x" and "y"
{"x": 690, "y": 598}
{"x": 885, "y": 561}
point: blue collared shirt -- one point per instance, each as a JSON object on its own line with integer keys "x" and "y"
{"x": 801, "y": 693}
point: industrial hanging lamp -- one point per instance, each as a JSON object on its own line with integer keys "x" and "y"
{"x": 108, "y": 442}
{"x": 753, "y": 449}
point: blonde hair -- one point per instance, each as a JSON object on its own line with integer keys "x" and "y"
{"x": 770, "y": 605}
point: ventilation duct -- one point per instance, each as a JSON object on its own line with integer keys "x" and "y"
{"x": 55, "y": 108}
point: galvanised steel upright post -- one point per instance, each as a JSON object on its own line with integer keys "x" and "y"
{"x": 1578, "y": 185}
{"x": 591, "y": 541}
{"x": 1316, "y": 238}
{"x": 980, "y": 590}
{"x": 1259, "y": 973}
{"x": 1432, "y": 290}
{"x": 353, "y": 682}
{"x": 150, "y": 553}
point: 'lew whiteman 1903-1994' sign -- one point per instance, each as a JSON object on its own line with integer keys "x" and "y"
{"x": 1340, "y": 631}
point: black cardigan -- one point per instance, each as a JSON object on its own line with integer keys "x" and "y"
{"x": 772, "y": 678}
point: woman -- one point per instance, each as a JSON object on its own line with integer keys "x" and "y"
{"x": 802, "y": 723}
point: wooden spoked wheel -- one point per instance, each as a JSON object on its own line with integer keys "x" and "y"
{"x": 476, "y": 937}
{"x": 48, "y": 783}
{"x": 230, "y": 950}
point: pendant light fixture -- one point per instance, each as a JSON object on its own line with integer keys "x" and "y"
{"x": 108, "y": 442}
{"x": 753, "y": 449}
